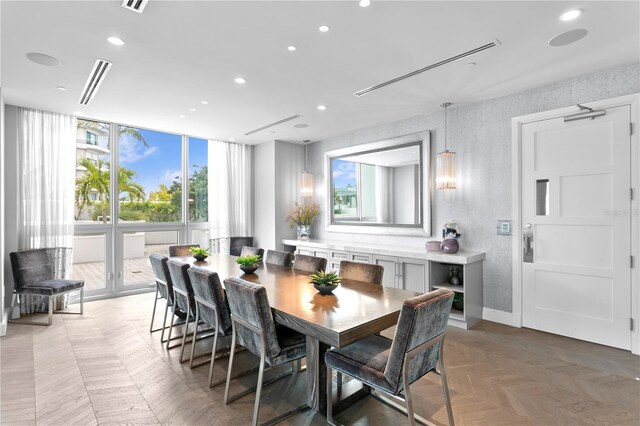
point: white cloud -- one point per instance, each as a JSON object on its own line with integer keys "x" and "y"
{"x": 169, "y": 175}
{"x": 132, "y": 150}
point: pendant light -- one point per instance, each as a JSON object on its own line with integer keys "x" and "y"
{"x": 306, "y": 187}
{"x": 446, "y": 161}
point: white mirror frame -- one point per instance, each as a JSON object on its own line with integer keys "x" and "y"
{"x": 425, "y": 176}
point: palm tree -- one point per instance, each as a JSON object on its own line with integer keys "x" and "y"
{"x": 95, "y": 178}
{"x": 122, "y": 130}
{"x": 126, "y": 185}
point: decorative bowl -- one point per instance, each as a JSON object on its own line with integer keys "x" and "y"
{"x": 200, "y": 257}
{"x": 450, "y": 246}
{"x": 325, "y": 289}
{"x": 249, "y": 269}
{"x": 433, "y": 245}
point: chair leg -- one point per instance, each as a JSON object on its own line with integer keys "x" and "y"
{"x": 186, "y": 331}
{"x": 153, "y": 314}
{"x": 164, "y": 321}
{"x": 213, "y": 351}
{"x": 173, "y": 319}
{"x": 51, "y": 298}
{"x": 339, "y": 382}
{"x": 233, "y": 349}
{"x": 407, "y": 394}
{"x": 256, "y": 405}
{"x": 193, "y": 339}
{"x": 82, "y": 301}
{"x": 330, "y": 396}
{"x": 445, "y": 388}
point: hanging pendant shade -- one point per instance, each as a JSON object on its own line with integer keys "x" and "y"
{"x": 306, "y": 185}
{"x": 446, "y": 167}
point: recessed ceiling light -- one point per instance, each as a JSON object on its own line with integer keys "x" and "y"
{"x": 204, "y": 102}
{"x": 240, "y": 80}
{"x": 301, "y": 126}
{"x": 61, "y": 88}
{"x": 42, "y": 59}
{"x": 291, "y": 48}
{"x": 570, "y": 15}
{"x": 116, "y": 40}
{"x": 471, "y": 64}
{"x": 322, "y": 107}
{"x": 183, "y": 116}
{"x": 365, "y": 3}
{"x": 232, "y": 140}
{"x": 78, "y": 113}
{"x": 192, "y": 109}
{"x": 323, "y": 28}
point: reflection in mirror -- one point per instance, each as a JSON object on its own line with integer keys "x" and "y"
{"x": 379, "y": 187}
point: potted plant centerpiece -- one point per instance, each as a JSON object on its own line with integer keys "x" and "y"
{"x": 248, "y": 264}
{"x": 199, "y": 253}
{"x": 325, "y": 282}
{"x": 303, "y": 216}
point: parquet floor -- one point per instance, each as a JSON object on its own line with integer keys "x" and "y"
{"x": 105, "y": 368}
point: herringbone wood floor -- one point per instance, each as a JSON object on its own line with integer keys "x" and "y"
{"x": 105, "y": 368}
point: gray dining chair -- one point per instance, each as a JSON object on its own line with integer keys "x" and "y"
{"x": 236, "y": 244}
{"x": 34, "y": 274}
{"x": 361, "y": 272}
{"x": 164, "y": 289}
{"x": 183, "y": 300}
{"x": 181, "y": 250}
{"x": 390, "y": 366}
{"x": 252, "y": 251}
{"x": 302, "y": 262}
{"x": 254, "y": 328}
{"x": 280, "y": 258}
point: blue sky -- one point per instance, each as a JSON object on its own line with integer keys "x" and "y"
{"x": 344, "y": 173}
{"x": 161, "y": 161}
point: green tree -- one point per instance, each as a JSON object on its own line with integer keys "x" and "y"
{"x": 126, "y": 185}
{"x": 122, "y": 130}
{"x": 94, "y": 179}
{"x": 162, "y": 194}
{"x": 198, "y": 194}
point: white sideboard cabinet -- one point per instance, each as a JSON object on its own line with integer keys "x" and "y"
{"x": 412, "y": 269}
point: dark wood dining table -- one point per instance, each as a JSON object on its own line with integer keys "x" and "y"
{"x": 355, "y": 310}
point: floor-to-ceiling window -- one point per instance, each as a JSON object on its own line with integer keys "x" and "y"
{"x": 154, "y": 186}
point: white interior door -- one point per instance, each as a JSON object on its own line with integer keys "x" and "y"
{"x": 577, "y": 228}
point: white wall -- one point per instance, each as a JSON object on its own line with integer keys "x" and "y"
{"x": 264, "y": 195}
{"x": 3, "y": 294}
{"x": 289, "y": 169}
{"x": 481, "y": 135}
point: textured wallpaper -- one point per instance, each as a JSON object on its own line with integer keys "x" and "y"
{"x": 481, "y": 135}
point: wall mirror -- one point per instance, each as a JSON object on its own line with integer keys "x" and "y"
{"x": 381, "y": 187}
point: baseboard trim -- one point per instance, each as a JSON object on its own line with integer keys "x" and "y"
{"x": 494, "y": 315}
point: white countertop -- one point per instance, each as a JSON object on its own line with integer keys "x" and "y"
{"x": 462, "y": 257}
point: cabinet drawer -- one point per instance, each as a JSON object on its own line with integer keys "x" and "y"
{"x": 321, "y": 253}
{"x": 304, "y": 251}
{"x": 360, "y": 257}
{"x": 338, "y": 255}
{"x": 333, "y": 266}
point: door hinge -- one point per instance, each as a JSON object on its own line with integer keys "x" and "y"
{"x": 631, "y": 261}
{"x": 631, "y": 324}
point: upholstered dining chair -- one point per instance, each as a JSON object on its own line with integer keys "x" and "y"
{"x": 254, "y": 328}
{"x": 302, "y": 262}
{"x": 391, "y": 366}
{"x": 182, "y": 300}
{"x": 361, "y": 272}
{"x": 252, "y": 251}
{"x": 236, "y": 244}
{"x": 164, "y": 289}
{"x": 34, "y": 274}
{"x": 212, "y": 308}
{"x": 181, "y": 250}
{"x": 281, "y": 258}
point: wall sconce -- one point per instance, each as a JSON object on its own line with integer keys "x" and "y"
{"x": 306, "y": 186}
{"x": 446, "y": 168}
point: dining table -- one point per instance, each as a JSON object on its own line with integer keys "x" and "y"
{"x": 354, "y": 310}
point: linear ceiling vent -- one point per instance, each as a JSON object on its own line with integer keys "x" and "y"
{"x": 135, "y": 5}
{"x": 428, "y": 67}
{"x": 97, "y": 75}
{"x": 275, "y": 123}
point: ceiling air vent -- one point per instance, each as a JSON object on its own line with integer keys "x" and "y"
{"x": 97, "y": 75}
{"x": 428, "y": 67}
{"x": 275, "y": 123}
{"x": 135, "y": 5}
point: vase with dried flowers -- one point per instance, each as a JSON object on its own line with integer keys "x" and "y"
{"x": 303, "y": 216}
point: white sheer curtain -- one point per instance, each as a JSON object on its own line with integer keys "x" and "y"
{"x": 384, "y": 191}
{"x": 230, "y": 192}
{"x": 46, "y": 186}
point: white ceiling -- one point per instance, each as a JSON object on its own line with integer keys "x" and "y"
{"x": 178, "y": 53}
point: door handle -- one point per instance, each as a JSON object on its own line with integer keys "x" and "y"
{"x": 527, "y": 235}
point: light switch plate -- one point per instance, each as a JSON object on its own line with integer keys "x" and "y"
{"x": 504, "y": 227}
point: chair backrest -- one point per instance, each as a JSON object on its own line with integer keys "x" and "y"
{"x": 302, "y": 262}
{"x": 181, "y": 250}
{"x": 208, "y": 289}
{"x": 275, "y": 257}
{"x": 181, "y": 281}
{"x": 361, "y": 272}
{"x": 249, "y": 302}
{"x": 31, "y": 266}
{"x": 236, "y": 244}
{"x": 421, "y": 319}
{"x": 162, "y": 276}
{"x": 252, "y": 251}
